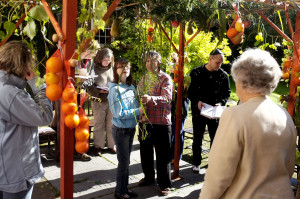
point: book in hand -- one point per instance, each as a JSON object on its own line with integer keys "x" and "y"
{"x": 212, "y": 112}
{"x": 103, "y": 88}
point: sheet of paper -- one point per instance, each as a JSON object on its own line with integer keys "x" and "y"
{"x": 103, "y": 88}
{"x": 212, "y": 112}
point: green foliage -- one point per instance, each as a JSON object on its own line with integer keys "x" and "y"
{"x": 133, "y": 44}
{"x": 90, "y": 10}
{"x": 38, "y": 12}
{"x": 30, "y": 29}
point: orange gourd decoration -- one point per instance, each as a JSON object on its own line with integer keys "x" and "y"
{"x": 82, "y": 146}
{"x": 69, "y": 106}
{"x": 82, "y": 130}
{"x": 231, "y": 32}
{"x": 53, "y": 65}
{"x": 53, "y": 92}
{"x": 236, "y": 36}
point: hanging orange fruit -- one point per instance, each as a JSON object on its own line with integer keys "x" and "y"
{"x": 231, "y": 32}
{"x": 83, "y": 120}
{"x": 69, "y": 108}
{"x": 51, "y": 78}
{"x": 54, "y": 65}
{"x": 287, "y": 63}
{"x": 72, "y": 121}
{"x": 239, "y": 26}
{"x": 82, "y": 134}
{"x": 82, "y": 146}
{"x": 285, "y": 75}
{"x": 69, "y": 94}
{"x": 53, "y": 92}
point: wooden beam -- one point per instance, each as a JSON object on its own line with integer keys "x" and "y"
{"x": 275, "y": 27}
{"x": 52, "y": 19}
{"x": 17, "y": 24}
{"x": 289, "y": 22}
{"x": 196, "y": 33}
{"x": 295, "y": 61}
{"x": 95, "y": 30}
{"x": 174, "y": 47}
{"x": 179, "y": 104}
{"x": 69, "y": 19}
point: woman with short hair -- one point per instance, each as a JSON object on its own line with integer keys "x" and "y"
{"x": 20, "y": 116}
{"x": 253, "y": 154}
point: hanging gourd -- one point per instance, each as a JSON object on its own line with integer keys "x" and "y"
{"x": 115, "y": 28}
{"x": 190, "y": 28}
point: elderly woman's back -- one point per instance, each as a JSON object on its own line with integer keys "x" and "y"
{"x": 253, "y": 154}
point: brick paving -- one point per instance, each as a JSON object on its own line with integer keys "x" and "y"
{"x": 96, "y": 178}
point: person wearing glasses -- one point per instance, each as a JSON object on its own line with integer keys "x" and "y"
{"x": 158, "y": 126}
{"x": 126, "y": 111}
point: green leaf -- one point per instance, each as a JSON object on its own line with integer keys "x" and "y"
{"x": 256, "y": 43}
{"x": 9, "y": 27}
{"x": 79, "y": 33}
{"x": 30, "y": 29}
{"x": 100, "y": 24}
{"x": 280, "y": 20}
{"x": 38, "y": 12}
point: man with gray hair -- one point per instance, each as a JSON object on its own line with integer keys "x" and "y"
{"x": 210, "y": 85}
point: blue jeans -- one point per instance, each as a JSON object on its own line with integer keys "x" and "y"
{"x": 123, "y": 140}
{"x": 26, "y": 194}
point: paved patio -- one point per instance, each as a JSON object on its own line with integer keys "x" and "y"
{"x": 96, "y": 178}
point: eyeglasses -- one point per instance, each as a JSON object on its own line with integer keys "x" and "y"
{"x": 122, "y": 66}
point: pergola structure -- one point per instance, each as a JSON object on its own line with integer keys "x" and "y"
{"x": 68, "y": 46}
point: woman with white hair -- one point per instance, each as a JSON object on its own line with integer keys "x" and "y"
{"x": 253, "y": 154}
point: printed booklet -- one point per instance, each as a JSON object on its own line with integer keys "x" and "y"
{"x": 212, "y": 112}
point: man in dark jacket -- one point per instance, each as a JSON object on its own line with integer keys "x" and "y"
{"x": 210, "y": 85}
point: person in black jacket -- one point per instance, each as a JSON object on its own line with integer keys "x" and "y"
{"x": 209, "y": 84}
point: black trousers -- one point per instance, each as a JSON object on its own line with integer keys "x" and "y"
{"x": 159, "y": 138}
{"x": 199, "y": 124}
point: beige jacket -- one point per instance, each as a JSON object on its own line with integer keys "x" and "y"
{"x": 253, "y": 154}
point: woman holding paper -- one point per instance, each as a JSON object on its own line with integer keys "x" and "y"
{"x": 101, "y": 67}
{"x": 253, "y": 154}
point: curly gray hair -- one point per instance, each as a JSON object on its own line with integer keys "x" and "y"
{"x": 257, "y": 71}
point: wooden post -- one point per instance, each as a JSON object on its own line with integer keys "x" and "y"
{"x": 69, "y": 19}
{"x": 295, "y": 61}
{"x": 179, "y": 103}
{"x": 289, "y": 22}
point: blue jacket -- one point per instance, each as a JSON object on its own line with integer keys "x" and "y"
{"x": 20, "y": 116}
{"x": 123, "y": 105}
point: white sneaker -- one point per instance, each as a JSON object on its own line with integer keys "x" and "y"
{"x": 196, "y": 169}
